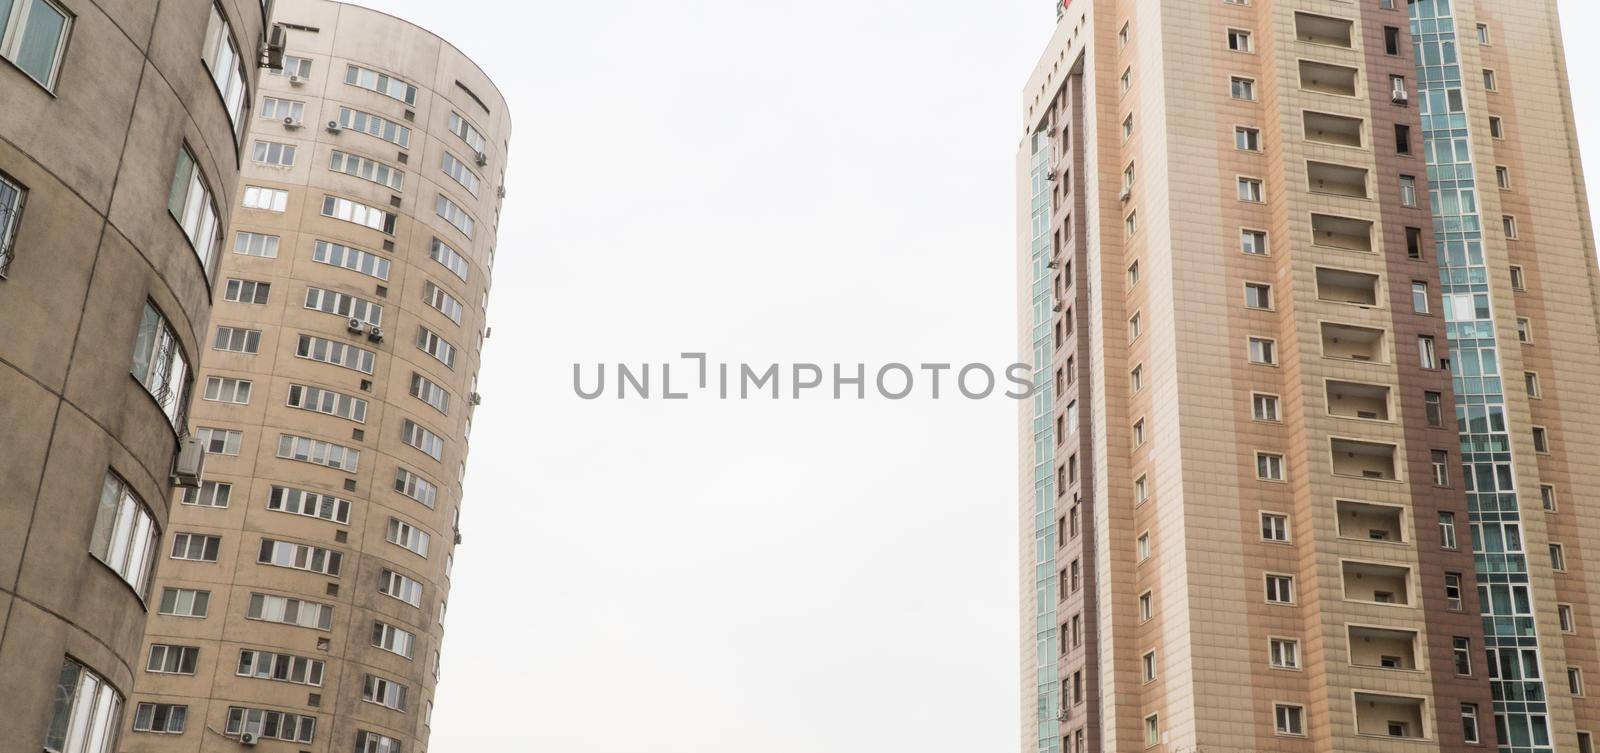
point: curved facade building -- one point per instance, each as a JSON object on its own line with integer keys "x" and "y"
{"x": 120, "y": 139}
{"x": 306, "y": 580}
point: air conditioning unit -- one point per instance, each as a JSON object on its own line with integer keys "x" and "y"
{"x": 482, "y": 159}
{"x": 290, "y": 122}
{"x": 1399, "y": 94}
{"x": 375, "y": 334}
{"x": 333, "y": 126}
{"x": 356, "y": 325}
{"x": 475, "y": 399}
{"x": 1061, "y": 713}
{"x": 1057, "y": 307}
{"x": 501, "y": 192}
{"x": 249, "y": 738}
{"x": 1125, "y": 195}
{"x": 295, "y": 80}
{"x": 190, "y": 463}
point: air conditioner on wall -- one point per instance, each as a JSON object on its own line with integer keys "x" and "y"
{"x": 482, "y": 159}
{"x": 375, "y": 334}
{"x": 333, "y": 126}
{"x": 290, "y": 122}
{"x": 296, "y": 80}
{"x": 356, "y": 325}
{"x": 189, "y": 465}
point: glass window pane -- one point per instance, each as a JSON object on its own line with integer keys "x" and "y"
{"x": 41, "y": 40}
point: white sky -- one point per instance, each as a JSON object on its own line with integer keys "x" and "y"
{"x": 819, "y": 181}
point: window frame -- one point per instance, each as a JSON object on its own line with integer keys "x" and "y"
{"x": 14, "y": 28}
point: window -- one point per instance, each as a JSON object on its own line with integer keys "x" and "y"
{"x": 1408, "y": 190}
{"x": 1402, "y": 138}
{"x": 237, "y": 340}
{"x": 184, "y": 602}
{"x": 1269, "y": 466}
{"x": 360, "y": 214}
{"x": 1469, "y": 723}
{"x": 1413, "y": 243}
{"x": 300, "y": 557}
{"x": 391, "y": 583}
{"x": 1558, "y": 558}
{"x": 447, "y": 256}
{"x": 1250, "y": 190}
{"x": 273, "y": 108}
{"x": 381, "y": 83}
{"x": 1483, "y": 33}
{"x": 1391, "y": 40}
{"x": 247, "y": 291}
{"x": 1452, "y": 591}
{"x": 348, "y": 257}
{"x": 228, "y": 390}
{"x": 317, "y": 452}
{"x": 1440, "y": 460}
{"x": 308, "y": 503}
{"x": 267, "y": 199}
{"x": 172, "y": 660}
{"x": 1575, "y": 681}
{"x": 408, "y": 536}
{"x": 292, "y": 66}
{"x": 1502, "y": 177}
{"x": 372, "y": 742}
{"x": 256, "y": 244}
{"x": 1152, "y": 730}
{"x": 1263, "y": 351}
{"x": 1541, "y": 440}
{"x": 161, "y": 718}
{"x": 1138, "y": 433}
{"x": 189, "y": 201}
{"x": 1283, "y": 653}
{"x": 1141, "y": 490}
{"x": 1243, "y": 88}
{"x": 1147, "y": 666}
{"x": 1496, "y": 127}
{"x": 1530, "y": 382}
{"x": 415, "y": 487}
{"x": 1419, "y": 297}
{"x": 336, "y": 353}
{"x": 124, "y": 536}
{"x": 1264, "y": 407}
{"x": 1564, "y": 616}
{"x": 1461, "y": 655}
{"x": 33, "y": 35}
{"x": 1253, "y": 242}
{"x": 1142, "y": 547}
{"x": 1126, "y": 82}
{"x": 367, "y": 169}
{"x": 454, "y": 214}
{"x": 434, "y": 345}
{"x": 1247, "y": 139}
{"x": 266, "y": 665}
{"x": 276, "y": 725}
{"x": 1425, "y": 353}
{"x": 290, "y": 611}
{"x": 1489, "y": 82}
{"x": 274, "y": 153}
{"x": 1524, "y": 330}
{"x": 461, "y": 128}
{"x": 424, "y": 389}
{"x": 1258, "y": 295}
{"x": 1585, "y": 743}
{"x": 1239, "y": 40}
{"x": 1447, "y": 530}
{"x": 210, "y": 494}
{"x": 1274, "y": 527}
{"x": 328, "y": 402}
{"x": 1290, "y": 720}
{"x": 1433, "y": 407}
{"x": 1135, "y": 326}
{"x": 222, "y": 58}
{"x": 1280, "y": 589}
{"x": 1136, "y": 379}
{"x": 458, "y": 171}
{"x": 84, "y": 715}
{"x": 1509, "y": 225}
{"x": 392, "y": 639}
{"x": 1547, "y": 497}
{"x": 374, "y": 125}
{"x": 1518, "y": 281}
{"x": 1128, "y": 178}
{"x": 347, "y": 306}
{"x": 219, "y": 441}
{"x": 11, "y": 196}
{"x": 413, "y": 433}
{"x": 195, "y": 547}
{"x": 446, "y": 304}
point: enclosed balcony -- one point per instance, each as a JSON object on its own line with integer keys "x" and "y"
{"x": 1350, "y": 342}
{"x": 1383, "y": 648}
{"x": 1384, "y": 715}
{"x": 1346, "y": 233}
{"x": 1328, "y": 78}
{"x": 1333, "y": 129}
{"x": 1358, "y": 400}
{"x": 1336, "y": 180}
{"x": 1346, "y": 286}
{"x": 1319, "y": 29}
{"x": 1376, "y": 583}
{"x": 1370, "y": 522}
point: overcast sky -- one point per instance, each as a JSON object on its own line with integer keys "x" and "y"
{"x": 819, "y": 181}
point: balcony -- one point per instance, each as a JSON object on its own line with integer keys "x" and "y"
{"x": 1369, "y": 402}
{"x": 1326, "y": 78}
{"x": 1316, "y": 29}
{"x": 1382, "y": 715}
{"x": 1370, "y": 522}
{"x": 1354, "y": 458}
{"x": 1336, "y": 180}
{"x": 1352, "y": 343}
{"x": 1347, "y": 233}
{"x": 1382, "y": 648}
{"x": 1377, "y": 584}
{"x": 1332, "y": 129}
{"x": 1345, "y": 286}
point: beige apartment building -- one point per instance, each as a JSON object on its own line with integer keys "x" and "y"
{"x": 120, "y": 128}
{"x": 1310, "y": 291}
{"x": 300, "y": 602}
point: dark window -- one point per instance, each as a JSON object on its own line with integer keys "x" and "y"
{"x": 1414, "y": 242}
{"x": 1391, "y": 40}
{"x": 1402, "y": 138}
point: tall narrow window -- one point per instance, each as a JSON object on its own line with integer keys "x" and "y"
{"x": 1408, "y": 190}
{"x": 1447, "y": 530}
{"x": 85, "y": 713}
{"x": 161, "y": 366}
{"x": 125, "y": 534}
{"x": 33, "y": 35}
{"x": 189, "y": 201}
{"x": 222, "y": 58}
{"x": 11, "y": 195}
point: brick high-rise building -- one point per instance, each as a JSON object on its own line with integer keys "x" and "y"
{"x": 1311, "y": 292}
{"x": 300, "y": 601}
